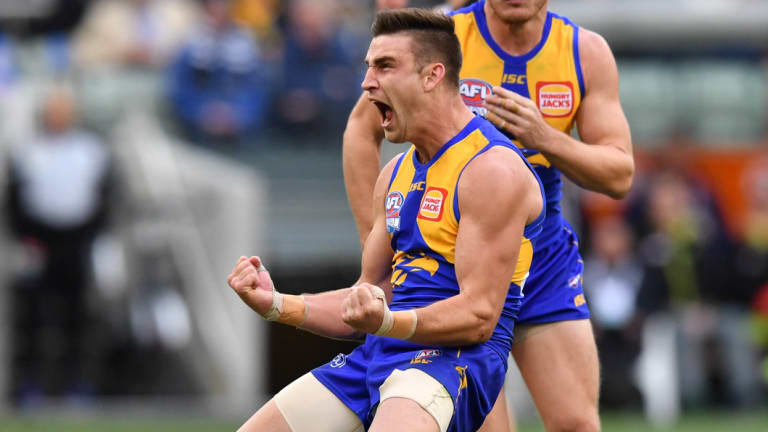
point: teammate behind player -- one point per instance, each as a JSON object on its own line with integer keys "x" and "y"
{"x": 439, "y": 333}
{"x": 535, "y": 74}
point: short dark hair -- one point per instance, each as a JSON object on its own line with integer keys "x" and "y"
{"x": 433, "y": 36}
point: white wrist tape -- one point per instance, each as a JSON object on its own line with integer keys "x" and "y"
{"x": 277, "y": 301}
{"x": 389, "y": 320}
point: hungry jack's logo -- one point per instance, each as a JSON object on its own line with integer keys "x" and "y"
{"x": 555, "y": 99}
{"x": 431, "y": 207}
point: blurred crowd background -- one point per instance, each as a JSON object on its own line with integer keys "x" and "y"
{"x": 146, "y": 144}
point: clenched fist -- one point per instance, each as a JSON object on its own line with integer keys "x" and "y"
{"x": 251, "y": 281}
{"x": 364, "y": 308}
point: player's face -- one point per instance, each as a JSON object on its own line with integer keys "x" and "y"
{"x": 516, "y": 11}
{"x": 392, "y": 83}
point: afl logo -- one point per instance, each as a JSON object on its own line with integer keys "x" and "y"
{"x": 473, "y": 91}
{"x": 394, "y": 203}
{"x": 339, "y": 361}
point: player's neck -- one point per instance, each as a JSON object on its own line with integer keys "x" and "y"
{"x": 516, "y": 38}
{"x": 438, "y": 125}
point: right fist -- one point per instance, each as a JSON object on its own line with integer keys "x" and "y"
{"x": 251, "y": 281}
{"x": 364, "y": 308}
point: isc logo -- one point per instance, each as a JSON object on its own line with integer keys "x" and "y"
{"x": 473, "y": 91}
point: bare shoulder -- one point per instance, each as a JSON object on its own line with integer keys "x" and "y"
{"x": 499, "y": 176}
{"x": 389, "y": 167}
{"x": 497, "y": 160}
{"x": 592, "y": 45}
{"x": 382, "y": 182}
{"x": 597, "y": 62}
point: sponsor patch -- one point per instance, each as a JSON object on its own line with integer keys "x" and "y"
{"x": 339, "y": 361}
{"x": 393, "y": 205}
{"x": 431, "y": 207}
{"x": 555, "y": 99}
{"x": 425, "y": 356}
{"x": 574, "y": 282}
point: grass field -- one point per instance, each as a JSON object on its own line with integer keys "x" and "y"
{"x": 709, "y": 422}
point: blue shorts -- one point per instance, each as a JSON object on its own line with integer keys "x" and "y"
{"x": 553, "y": 290}
{"x": 472, "y": 375}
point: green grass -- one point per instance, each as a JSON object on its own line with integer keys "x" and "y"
{"x": 705, "y": 422}
{"x": 118, "y": 425}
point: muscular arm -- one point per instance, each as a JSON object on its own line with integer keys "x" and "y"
{"x": 361, "y": 159}
{"x": 487, "y": 249}
{"x": 603, "y": 161}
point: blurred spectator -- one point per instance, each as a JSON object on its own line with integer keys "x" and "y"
{"x": 612, "y": 279}
{"x": 688, "y": 270}
{"x": 217, "y": 85}
{"x": 41, "y": 18}
{"x": 752, "y": 256}
{"x": 760, "y": 329}
{"x": 321, "y": 71}
{"x": 134, "y": 33}
{"x": 57, "y": 200}
{"x": 260, "y": 16}
{"x": 8, "y": 68}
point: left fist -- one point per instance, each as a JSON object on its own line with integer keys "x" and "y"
{"x": 364, "y": 307}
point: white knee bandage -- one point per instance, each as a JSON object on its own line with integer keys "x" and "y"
{"x": 308, "y": 406}
{"x": 422, "y": 388}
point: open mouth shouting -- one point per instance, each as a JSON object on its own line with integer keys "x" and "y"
{"x": 387, "y": 115}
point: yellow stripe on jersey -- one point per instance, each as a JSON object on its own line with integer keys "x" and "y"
{"x": 524, "y": 258}
{"x": 429, "y": 198}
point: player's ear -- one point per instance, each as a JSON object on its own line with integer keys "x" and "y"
{"x": 432, "y": 74}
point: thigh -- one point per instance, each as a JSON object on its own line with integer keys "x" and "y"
{"x": 456, "y": 387}
{"x": 501, "y": 418}
{"x": 560, "y": 366}
{"x": 401, "y": 414}
{"x": 267, "y": 418}
{"x": 412, "y": 400}
{"x": 305, "y": 405}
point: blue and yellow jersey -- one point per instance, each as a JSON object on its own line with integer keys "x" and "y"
{"x": 423, "y": 217}
{"x": 550, "y": 75}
